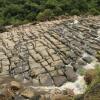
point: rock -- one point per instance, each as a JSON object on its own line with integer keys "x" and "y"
{"x": 68, "y": 92}
{"x": 90, "y": 51}
{"x": 15, "y": 85}
{"x": 17, "y": 97}
{"x": 46, "y": 80}
{"x": 2, "y": 97}
{"x": 98, "y": 32}
{"x": 71, "y": 75}
{"x": 35, "y": 82}
{"x": 56, "y": 91}
{"x": 19, "y": 77}
{"x": 45, "y": 97}
{"x": 88, "y": 59}
{"x": 37, "y": 97}
{"x": 59, "y": 80}
{"x": 28, "y": 93}
{"x": 9, "y": 94}
{"x": 36, "y": 70}
{"x": 61, "y": 97}
{"x": 81, "y": 62}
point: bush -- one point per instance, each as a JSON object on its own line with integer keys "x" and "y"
{"x": 31, "y": 16}
{"x": 57, "y": 11}
{"x": 90, "y": 76}
{"x": 75, "y": 12}
{"x": 30, "y": 10}
{"x": 98, "y": 56}
{"x": 47, "y": 14}
{"x": 94, "y": 11}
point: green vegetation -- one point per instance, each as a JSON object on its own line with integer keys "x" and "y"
{"x": 92, "y": 78}
{"x": 17, "y": 12}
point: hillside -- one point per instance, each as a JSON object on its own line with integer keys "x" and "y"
{"x": 15, "y": 12}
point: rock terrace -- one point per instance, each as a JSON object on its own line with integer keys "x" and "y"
{"x": 49, "y": 53}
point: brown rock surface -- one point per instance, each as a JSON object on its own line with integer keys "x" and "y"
{"x": 40, "y": 52}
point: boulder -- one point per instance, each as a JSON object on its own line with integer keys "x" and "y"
{"x": 61, "y": 97}
{"x": 17, "y": 97}
{"x": 59, "y": 80}
{"x": 68, "y": 92}
{"x": 88, "y": 59}
{"x": 46, "y": 80}
{"x": 71, "y": 75}
{"x": 2, "y": 97}
{"x": 15, "y": 85}
{"x": 28, "y": 93}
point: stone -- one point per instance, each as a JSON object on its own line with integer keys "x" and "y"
{"x": 2, "y": 97}
{"x": 15, "y": 85}
{"x": 17, "y": 97}
{"x": 45, "y": 97}
{"x": 28, "y": 93}
{"x": 37, "y": 97}
{"x": 37, "y": 55}
{"x": 88, "y": 59}
{"x": 60, "y": 97}
{"x": 71, "y": 75}
{"x": 68, "y": 92}
{"x": 19, "y": 77}
{"x": 45, "y": 80}
{"x": 60, "y": 72}
{"x": 81, "y": 62}
{"x": 9, "y": 94}
{"x": 90, "y": 51}
{"x": 54, "y": 73}
{"x": 98, "y": 32}
{"x": 35, "y": 82}
{"x": 37, "y": 70}
{"x": 59, "y": 80}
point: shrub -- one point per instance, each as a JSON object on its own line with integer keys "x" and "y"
{"x": 57, "y": 11}
{"x": 47, "y": 14}
{"x": 75, "y": 12}
{"x": 90, "y": 76}
{"x": 94, "y": 11}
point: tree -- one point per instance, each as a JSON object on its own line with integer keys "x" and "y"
{"x": 94, "y": 11}
{"x": 75, "y": 12}
{"x": 51, "y": 4}
{"x": 57, "y": 11}
{"x": 47, "y": 14}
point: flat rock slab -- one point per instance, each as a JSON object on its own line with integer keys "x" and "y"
{"x": 39, "y": 53}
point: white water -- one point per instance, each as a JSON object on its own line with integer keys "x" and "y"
{"x": 78, "y": 87}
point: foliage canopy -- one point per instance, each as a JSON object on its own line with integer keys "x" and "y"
{"x": 23, "y": 11}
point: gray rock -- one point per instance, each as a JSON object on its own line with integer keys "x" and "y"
{"x": 88, "y": 59}
{"x": 17, "y": 97}
{"x": 46, "y": 80}
{"x": 71, "y": 75}
{"x": 81, "y": 62}
{"x": 15, "y": 85}
{"x": 59, "y": 80}
{"x": 28, "y": 93}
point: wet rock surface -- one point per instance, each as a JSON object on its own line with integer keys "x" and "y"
{"x": 40, "y": 50}
{"x": 40, "y": 55}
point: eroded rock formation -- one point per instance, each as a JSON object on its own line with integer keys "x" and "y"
{"x": 49, "y": 53}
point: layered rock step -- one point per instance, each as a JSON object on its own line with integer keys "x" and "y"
{"x": 49, "y": 53}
